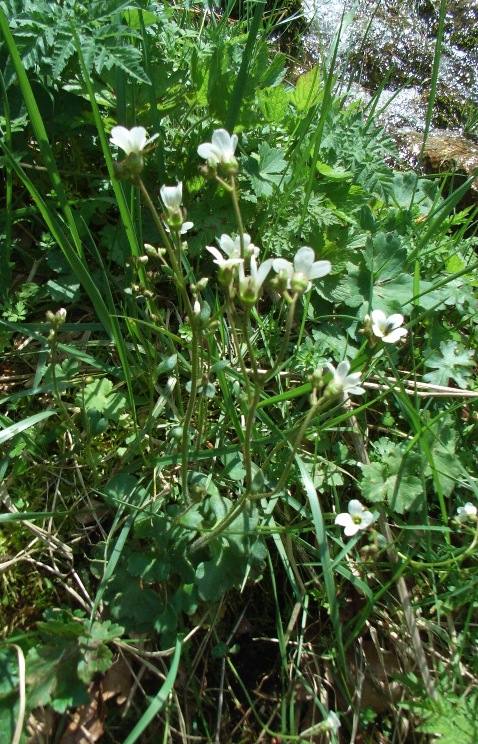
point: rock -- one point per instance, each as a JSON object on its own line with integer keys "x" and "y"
{"x": 444, "y": 152}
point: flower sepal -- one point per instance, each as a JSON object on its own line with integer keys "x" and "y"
{"x": 129, "y": 168}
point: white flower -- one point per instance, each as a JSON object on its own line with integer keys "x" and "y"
{"x": 224, "y": 263}
{"x": 342, "y": 382}
{"x": 221, "y": 149}
{"x": 172, "y": 196}
{"x": 232, "y": 248}
{"x": 305, "y": 269}
{"x": 131, "y": 140}
{"x": 357, "y": 518}
{"x": 250, "y": 286}
{"x": 388, "y": 329}
{"x": 466, "y": 513}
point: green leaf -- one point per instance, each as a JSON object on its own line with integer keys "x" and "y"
{"x": 274, "y": 103}
{"x": 451, "y": 362}
{"x": 119, "y": 490}
{"x": 265, "y": 169}
{"x": 95, "y": 654}
{"x": 454, "y": 721}
{"x": 52, "y": 675}
{"x": 216, "y": 576}
{"x": 149, "y": 567}
{"x": 392, "y": 477}
{"x": 385, "y": 257}
{"x": 334, "y": 174}
{"x": 185, "y": 599}
{"x": 445, "y": 461}
{"x": 136, "y": 605}
{"x": 234, "y": 466}
{"x": 65, "y": 290}
{"x": 307, "y": 90}
{"x": 98, "y": 395}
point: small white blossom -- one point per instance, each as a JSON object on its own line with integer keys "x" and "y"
{"x": 221, "y": 149}
{"x": 304, "y": 270}
{"x": 357, "y": 518}
{"x": 250, "y": 286}
{"x": 172, "y": 196}
{"x": 232, "y": 248}
{"x": 387, "y": 328}
{"x": 342, "y": 382}
{"x": 466, "y": 513}
{"x": 131, "y": 140}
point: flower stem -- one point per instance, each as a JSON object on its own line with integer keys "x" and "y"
{"x": 237, "y": 212}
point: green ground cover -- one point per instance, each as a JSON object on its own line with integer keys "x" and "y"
{"x": 238, "y": 383}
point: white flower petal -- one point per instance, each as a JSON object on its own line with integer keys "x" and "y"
{"x": 395, "y": 335}
{"x": 344, "y": 519}
{"x": 394, "y": 321}
{"x": 185, "y": 227}
{"x": 331, "y": 368}
{"x": 212, "y": 249}
{"x": 172, "y": 196}
{"x": 130, "y": 140}
{"x": 343, "y": 369}
{"x": 355, "y": 508}
{"x": 353, "y": 379}
{"x": 319, "y": 269}
{"x": 333, "y": 722}
{"x": 138, "y": 138}
{"x": 468, "y": 510}
{"x": 208, "y": 151}
{"x": 263, "y": 271}
{"x": 228, "y": 245}
{"x": 379, "y": 318}
{"x": 367, "y": 519}
{"x": 303, "y": 260}
{"x": 388, "y": 329}
{"x": 151, "y": 139}
{"x": 280, "y": 264}
{"x": 120, "y": 137}
{"x": 224, "y": 142}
